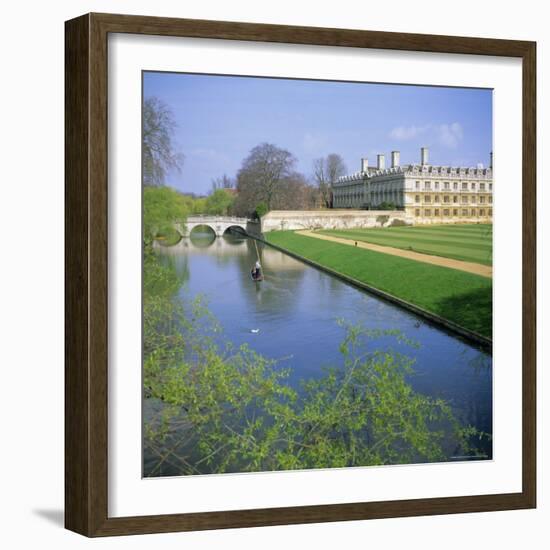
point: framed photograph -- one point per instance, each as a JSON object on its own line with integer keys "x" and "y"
{"x": 300, "y": 275}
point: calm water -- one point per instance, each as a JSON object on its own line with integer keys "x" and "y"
{"x": 294, "y": 314}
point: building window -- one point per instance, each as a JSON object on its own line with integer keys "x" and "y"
{"x": 482, "y": 187}
{"x": 427, "y": 198}
{"x": 417, "y": 198}
{"x": 473, "y": 199}
{"x": 427, "y": 212}
{"x": 464, "y": 200}
{"x": 464, "y": 186}
{"x": 490, "y": 187}
{"x": 446, "y": 198}
{"x": 436, "y": 185}
{"x": 455, "y": 185}
{"x": 455, "y": 212}
{"x": 473, "y": 186}
{"x": 455, "y": 199}
{"x": 464, "y": 212}
{"x": 436, "y": 198}
{"x": 417, "y": 212}
{"x": 482, "y": 212}
{"x": 490, "y": 212}
{"x": 417, "y": 185}
{"x": 446, "y": 184}
{"x": 436, "y": 212}
{"x": 490, "y": 199}
{"x": 426, "y": 185}
{"x": 446, "y": 212}
{"x": 473, "y": 212}
{"x": 481, "y": 200}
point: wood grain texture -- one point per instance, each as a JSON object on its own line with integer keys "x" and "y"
{"x": 77, "y": 388}
{"x": 86, "y": 279}
{"x": 529, "y": 274}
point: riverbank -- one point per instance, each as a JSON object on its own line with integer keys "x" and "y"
{"x": 459, "y": 300}
{"x": 469, "y": 267}
{"x": 218, "y": 346}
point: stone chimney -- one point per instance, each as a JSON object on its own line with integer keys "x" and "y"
{"x": 394, "y": 159}
{"x": 364, "y": 164}
{"x": 381, "y": 162}
{"x": 424, "y": 156}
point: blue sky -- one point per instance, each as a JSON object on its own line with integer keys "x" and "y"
{"x": 221, "y": 118}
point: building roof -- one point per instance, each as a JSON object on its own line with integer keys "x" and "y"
{"x": 418, "y": 170}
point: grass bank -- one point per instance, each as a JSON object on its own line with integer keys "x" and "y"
{"x": 463, "y": 298}
{"x": 470, "y": 243}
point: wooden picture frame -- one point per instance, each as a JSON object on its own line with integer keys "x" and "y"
{"x": 86, "y": 279}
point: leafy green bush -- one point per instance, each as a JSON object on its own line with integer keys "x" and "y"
{"x": 218, "y": 408}
{"x": 261, "y": 210}
{"x": 162, "y": 207}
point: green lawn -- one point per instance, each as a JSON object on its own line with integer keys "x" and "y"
{"x": 461, "y": 297}
{"x": 471, "y": 243}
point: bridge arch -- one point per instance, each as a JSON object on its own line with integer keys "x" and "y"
{"x": 201, "y": 227}
{"x": 218, "y": 224}
{"x": 236, "y": 229}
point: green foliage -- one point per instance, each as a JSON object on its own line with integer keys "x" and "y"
{"x": 225, "y": 409}
{"x": 219, "y": 202}
{"x": 261, "y": 210}
{"x": 162, "y": 207}
{"x": 386, "y": 206}
{"x": 461, "y": 297}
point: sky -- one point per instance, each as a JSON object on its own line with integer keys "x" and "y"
{"x": 219, "y": 119}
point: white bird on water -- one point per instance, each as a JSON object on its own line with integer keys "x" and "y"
{"x": 254, "y": 330}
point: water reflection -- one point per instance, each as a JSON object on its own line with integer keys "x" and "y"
{"x": 292, "y": 316}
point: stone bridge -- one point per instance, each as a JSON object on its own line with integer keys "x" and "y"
{"x": 218, "y": 224}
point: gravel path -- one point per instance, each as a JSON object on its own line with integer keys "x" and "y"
{"x": 470, "y": 267}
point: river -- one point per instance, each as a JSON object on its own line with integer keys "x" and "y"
{"x": 292, "y": 317}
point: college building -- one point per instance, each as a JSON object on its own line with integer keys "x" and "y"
{"x": 427, "y": 193}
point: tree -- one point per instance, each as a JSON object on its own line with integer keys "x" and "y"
{"x": 219, "y": 202}
{"x": 159, "y": 154}
{"x": 220, "y": 408}
{"x": 225, "y": 182}
{"x": 260, "y": 176}
{"x": 325, "y": 172}
{"x": 295, "y": 193}
{"x": 162, "y": 207}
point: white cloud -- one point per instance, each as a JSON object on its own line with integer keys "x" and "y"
{"x": 450, "y": 135}
{"x": 404, "y": 133}
{"x": 447, "y": 135}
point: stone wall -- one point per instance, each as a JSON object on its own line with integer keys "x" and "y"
{"x": 293, "y": 220}
{"x": 419, "y": 220}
